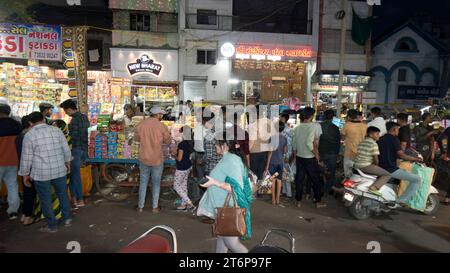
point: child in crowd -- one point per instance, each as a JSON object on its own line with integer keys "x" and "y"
{"x": 279, "y": 149}
{"x": 367, "y": 159}
{"x": 184, "y": 167}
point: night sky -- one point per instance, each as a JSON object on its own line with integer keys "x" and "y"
{"x": 394, "y": 12}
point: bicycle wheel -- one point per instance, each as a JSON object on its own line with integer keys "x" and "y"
{"x": 116, "y": 182}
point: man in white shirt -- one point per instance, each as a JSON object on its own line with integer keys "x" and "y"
{"x": 199, "y": 136}
{"x": 378, "y": 120}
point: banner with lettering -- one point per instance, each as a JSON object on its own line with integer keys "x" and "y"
{"x": 25, "y": 41}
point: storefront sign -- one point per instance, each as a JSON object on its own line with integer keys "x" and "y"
{"x": 412, "y": 92}
{"x": 245, "y": 51}
{"x": 327, "y": 79}
{"x": 298, "y": 68}
{"x": 144, "y": 65}
{"x": 334, "y": 88}
{"x": 24, "y": 41}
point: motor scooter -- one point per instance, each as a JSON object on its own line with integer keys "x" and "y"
{"x": 362, "y": 203}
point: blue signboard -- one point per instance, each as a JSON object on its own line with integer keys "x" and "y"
{"x": 414, "y": 92}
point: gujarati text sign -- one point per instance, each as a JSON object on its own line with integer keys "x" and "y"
{"x": 24, "y": 41}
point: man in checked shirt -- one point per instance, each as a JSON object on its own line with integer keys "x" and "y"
{"x": 46, "y": 159}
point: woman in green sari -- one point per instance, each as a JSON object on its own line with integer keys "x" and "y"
{"x": 229, "y": 174}
{"x": 61, "y": 124}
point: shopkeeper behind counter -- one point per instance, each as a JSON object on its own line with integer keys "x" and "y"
{"x": 127, "y": 117}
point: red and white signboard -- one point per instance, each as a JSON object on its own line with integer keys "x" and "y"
{"x": 36, "y": 42}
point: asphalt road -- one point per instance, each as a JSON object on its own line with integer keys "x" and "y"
{"x": 105, "y": 226}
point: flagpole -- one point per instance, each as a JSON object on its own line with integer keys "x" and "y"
{"x": 341, "y": 57}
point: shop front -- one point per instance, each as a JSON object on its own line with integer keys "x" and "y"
{"x": 267, "y": 72}
{"x": 24, "y": 83}
{"x": 325, "y": 89}
{"x": 146, "y": 77}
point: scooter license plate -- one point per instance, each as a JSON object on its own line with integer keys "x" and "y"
{"x": 349, "y": 197}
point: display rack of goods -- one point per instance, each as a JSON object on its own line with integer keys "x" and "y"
{"x": 166, "y": 93}
{"x": 151, "y": 93}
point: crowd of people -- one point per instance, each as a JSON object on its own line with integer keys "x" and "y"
{"x": 224, "y": 148}
{"x": 47, "y": 155}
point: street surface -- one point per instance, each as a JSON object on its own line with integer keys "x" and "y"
{"x": 105, "y": 226}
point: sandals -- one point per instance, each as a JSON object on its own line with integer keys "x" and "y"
{"x": 25, "y": 223}
{"x": 48, "y": 230}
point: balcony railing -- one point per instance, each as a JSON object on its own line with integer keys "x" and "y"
{"x": 251, "y": 24}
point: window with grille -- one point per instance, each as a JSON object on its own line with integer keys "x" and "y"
{"x": 206, "y": 17}
{"x": 206, "y": 56}
{"x": 139, "y": 22}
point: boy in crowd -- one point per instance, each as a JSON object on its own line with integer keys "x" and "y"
{"x": 367, "y": 159}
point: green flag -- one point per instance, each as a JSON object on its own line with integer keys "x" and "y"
{"x": 361, "y": 29}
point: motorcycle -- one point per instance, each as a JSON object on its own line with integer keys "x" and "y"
{"x": 361, "y": 202}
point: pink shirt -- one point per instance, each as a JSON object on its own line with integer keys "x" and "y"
{"x": 152, "y": 134}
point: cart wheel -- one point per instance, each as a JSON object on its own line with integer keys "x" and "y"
{"x": 116, "y": 182}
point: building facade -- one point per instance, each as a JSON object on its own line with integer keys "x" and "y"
{"x": 225, "y": 55}
{"x": 407, "y": 64}
{"x": 356, "y": 68}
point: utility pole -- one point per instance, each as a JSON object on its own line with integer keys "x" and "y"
{"x": 342, "y": 56}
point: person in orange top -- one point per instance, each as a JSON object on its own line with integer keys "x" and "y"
{"x": 353, "y": 133}
{"x": 9, "y": 130}
{"x": 152, "y": 134}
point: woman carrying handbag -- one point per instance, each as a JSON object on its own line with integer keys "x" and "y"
{"x": 228, "y": 181}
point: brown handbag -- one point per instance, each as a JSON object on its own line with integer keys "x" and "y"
{"x": 230, "y": 221}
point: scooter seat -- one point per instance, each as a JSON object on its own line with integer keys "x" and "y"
{"x": 359, "y": 172}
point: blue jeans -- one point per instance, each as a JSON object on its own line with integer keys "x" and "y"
{"x": 9, "y": 175}
{"x": 76, "y": 188}
{"x": 413, "y": 183}
{"x": 145, "y": 172}
{"x": 330, "y": 161}
{"x": 44, "y": 190}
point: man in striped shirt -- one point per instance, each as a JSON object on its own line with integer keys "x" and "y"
{"x": 367, "y": 159}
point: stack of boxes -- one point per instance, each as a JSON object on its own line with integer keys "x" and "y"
{"x": 112, "y": 145}
{"x": 101, "y": 146}
{"x": 120, "y": 145}
{"x": 91, "y": 147}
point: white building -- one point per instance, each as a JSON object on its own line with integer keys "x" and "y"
{"x": 356, "y": 69}
{"x": 220, "y": 61}
{"x": 406, "y": 66}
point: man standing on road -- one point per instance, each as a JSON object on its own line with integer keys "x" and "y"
{"x": 46, "y": 159}
{"x": 78, "y": 131}
{"x": 260, "y": 132}
{"x": 151, "y": 134}
{"x": 305, "y": 145}
{"x": 353, "y": 133}
{"x": 329, "y": 147}
{"x": 426, "y": 137}
{"x": 9, "y": 130}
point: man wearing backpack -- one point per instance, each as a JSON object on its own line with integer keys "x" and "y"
{"x": 329, "y": 146}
